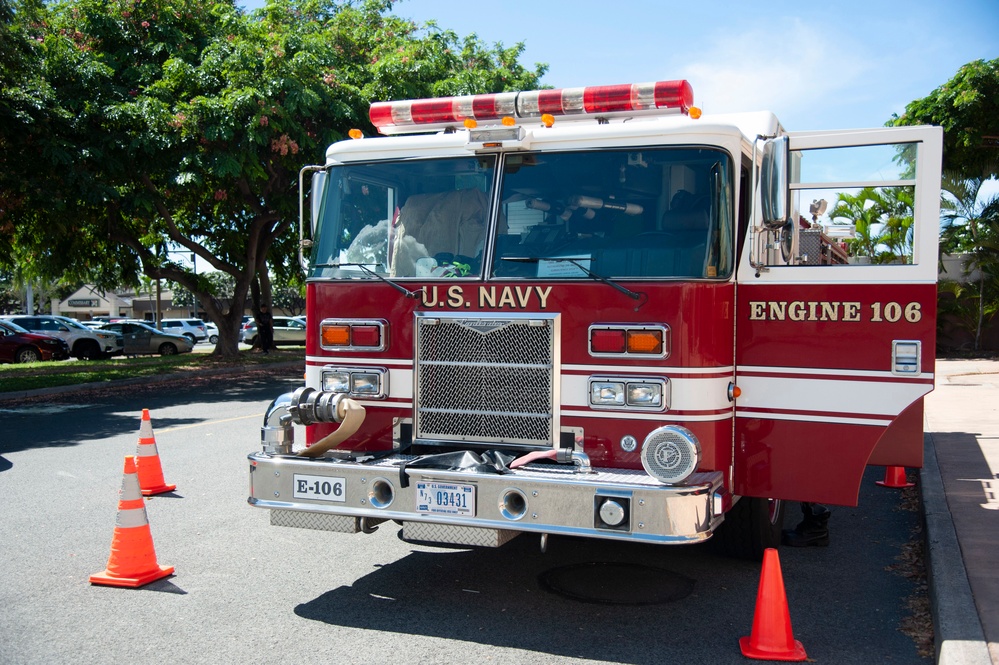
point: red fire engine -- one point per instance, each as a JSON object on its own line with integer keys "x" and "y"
{"x": 595, "y": 312}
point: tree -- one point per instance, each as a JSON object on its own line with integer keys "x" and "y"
{"x": 185, "y": 122}
{"x": 971, "y": 226}
{"x": 967, "y": 107}
{"x": 26, "y": 113}
{"x": 882, "y": 219}
{"x": 291, "y": 299}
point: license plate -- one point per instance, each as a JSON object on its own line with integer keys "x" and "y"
{"x": 445, "y": 499}
{"x": 322, "y": 488}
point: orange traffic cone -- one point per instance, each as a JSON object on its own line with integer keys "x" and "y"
{"x": 150, "y": 472}
{"x": 133, "y": 560}
{"x": 771, "y": 638}
{"x": 895, "y": 477}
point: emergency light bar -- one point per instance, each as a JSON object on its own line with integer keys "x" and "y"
{"x": 416, "y": 115}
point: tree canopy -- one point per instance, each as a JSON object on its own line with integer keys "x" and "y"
{"x": 182, "y": 125}
{"x": 967, "y": 107}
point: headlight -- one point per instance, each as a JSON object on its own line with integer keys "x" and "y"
{"x": 369, "y": 382}
{"x": 607, "y": 393}
{"x": 644, "y": 394}
{"x": 365, "y": 384}
{"x": 336, "y": 382}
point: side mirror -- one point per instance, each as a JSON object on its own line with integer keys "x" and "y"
{"x": 316, "y": 197}
{"x": 774, "y": 193}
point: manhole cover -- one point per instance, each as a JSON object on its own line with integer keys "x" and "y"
{"x": 617, "y": 583}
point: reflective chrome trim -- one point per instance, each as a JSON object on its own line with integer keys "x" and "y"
{"x": 660, "y": 381}
{"x": 382, "y": 325}
{"x": 664, "y": 329}
{"x": 487, "y": 377}
{"x": 671, "y": 454}
{"x": 277, "y": 435}
{"x": 381, "y": 372}
{"x": 561, "y": 501}
{"x": 906, "y": 357}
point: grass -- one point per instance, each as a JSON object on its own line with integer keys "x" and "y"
{"x": 33, "y": 376}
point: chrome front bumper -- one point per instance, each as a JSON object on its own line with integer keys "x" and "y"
{"x": 540, "y": 498}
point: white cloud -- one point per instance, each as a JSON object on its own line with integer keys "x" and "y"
{"x": 785, "y": 67}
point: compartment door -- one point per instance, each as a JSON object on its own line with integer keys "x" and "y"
{"x": 836, "y": 317}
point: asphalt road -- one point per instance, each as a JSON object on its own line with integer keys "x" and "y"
{"x": 247, "y": 592}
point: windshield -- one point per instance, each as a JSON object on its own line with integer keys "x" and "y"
{"x": 619, "y": 213}
{"x": 648, "y": 212}
{"x": 72, "y": 323}
{"x": 13, "y": 327}
{"x": 416, "y": 218}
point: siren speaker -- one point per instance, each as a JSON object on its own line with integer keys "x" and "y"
{"x": 670, "y": 454}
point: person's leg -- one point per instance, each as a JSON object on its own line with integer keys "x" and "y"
{"x": 812, "y": 531}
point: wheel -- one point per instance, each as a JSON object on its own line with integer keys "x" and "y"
{"x": 191, "y": 337}
{"x": 168, "y": 349}
{"x": 28, "y": 354}
{"x": 214, "y": 339}
{"x": 87, "y": 349}
{"x": 252, "y": 341}
{"x": 752, "y": 526}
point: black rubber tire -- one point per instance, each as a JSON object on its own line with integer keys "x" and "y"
{"x": 87, "y": 349}
{"x": 214, "y": 339}
{"x": 191, "y": 337}
{"x": 168, "y": 349}
{"x": 28, "y": 354}
{"x": 752, "y": 526}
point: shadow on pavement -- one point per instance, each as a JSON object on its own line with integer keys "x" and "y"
{"x": 112, "y": 411}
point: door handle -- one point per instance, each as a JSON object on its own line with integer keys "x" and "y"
{"x": 905, "y": 357}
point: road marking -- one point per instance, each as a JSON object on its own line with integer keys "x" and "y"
{"x": 209, "y": 422}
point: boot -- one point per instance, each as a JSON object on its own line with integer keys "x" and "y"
{"x": 812, "y": 531}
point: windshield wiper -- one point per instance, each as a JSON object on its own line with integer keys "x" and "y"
{"x": 364, "y": 266}
{"x": 576, "y": 262}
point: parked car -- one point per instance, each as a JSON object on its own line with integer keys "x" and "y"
{"x": 142, "y": 339}
{"x": 18, "y": 345}
{"x": 83, "y": 342}
{"x": 213, "y": 332}
{"x": 193, "y": 329}
{"x": 287, "y": 330}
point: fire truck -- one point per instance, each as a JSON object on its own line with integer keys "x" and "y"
{"x": 597, "y": 312}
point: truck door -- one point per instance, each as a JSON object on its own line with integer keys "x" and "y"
{"x": 836, "y": 316}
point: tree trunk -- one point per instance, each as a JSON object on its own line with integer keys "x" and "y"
{"x": 981, "y": 309}
{"x": 228, "y": 344}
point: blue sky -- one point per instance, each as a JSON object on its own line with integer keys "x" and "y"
{"x": 816, "y": 65}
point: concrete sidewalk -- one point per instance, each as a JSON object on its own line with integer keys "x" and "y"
{"x": 959, "y": 484}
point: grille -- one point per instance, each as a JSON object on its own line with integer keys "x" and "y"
{"x": 486, "y": 379}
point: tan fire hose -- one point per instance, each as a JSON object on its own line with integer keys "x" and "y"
{"x": 351, "y": 415}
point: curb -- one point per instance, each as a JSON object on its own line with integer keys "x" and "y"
{"x": 158, "y": 378}
{"x": 958, "y": 633}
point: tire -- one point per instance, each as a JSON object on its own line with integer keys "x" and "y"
{"x": 252, "y": 341}
{"x": 752, "y": 526}
{"x": 168, "y": 349}
{"x": 87, "y": 349}
{"x": 214, "y": 339}
{"x": 191, "y": 337}
{"x": 28, "y": 354}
